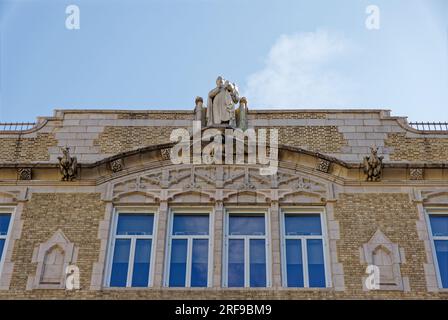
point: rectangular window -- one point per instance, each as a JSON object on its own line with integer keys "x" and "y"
{"x": 439, "y": 235}
{"x": 246, "y": 245}
{"x": 132, "y": 249}
{"x": 5, "y": 221}
{"x": 304, "y": 250}
{"x": 189, "y": 250}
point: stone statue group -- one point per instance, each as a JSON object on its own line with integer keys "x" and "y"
{"x": 221, "y": 103}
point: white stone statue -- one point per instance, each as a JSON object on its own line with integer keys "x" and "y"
{"x": 221, "y": 103}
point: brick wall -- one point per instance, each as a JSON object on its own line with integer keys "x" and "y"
{"x": 27, "y": 149}
{"x": 417, "y": 149}
{"x": 115, "y": 140}
{"x": 359, "y": 216}
{"x": 325, "y": 139}
{"x": 76, "y": 214}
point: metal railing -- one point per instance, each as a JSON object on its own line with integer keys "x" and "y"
{"x": 429, "y": 126}
{"x": 16, "y": 126}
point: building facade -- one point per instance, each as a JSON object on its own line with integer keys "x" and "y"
{"x": 128, "y": 223}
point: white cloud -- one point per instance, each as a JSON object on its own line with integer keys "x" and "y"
{"x": 299, "y": 72}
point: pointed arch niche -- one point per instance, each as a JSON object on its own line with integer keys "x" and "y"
{"x": 388, "y": 257}
{"x": 52, "y": 258}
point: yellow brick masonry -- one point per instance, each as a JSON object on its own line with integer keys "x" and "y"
{"x": 76, "y": 214}
{"x": 115, "y": 140}
{"x": 359, "y": 215}
{"x": 22, "y": 149}
{"x": 417, "y": 149}
{"x": 326, "y": 139}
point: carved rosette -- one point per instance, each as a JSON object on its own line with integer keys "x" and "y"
{"x": 117, "y": 165}
{"x": 416, "y": 174}
{"x": 323, "y": 165}
{"x": 24, "y": 173}
{"x": 166, "y": 154}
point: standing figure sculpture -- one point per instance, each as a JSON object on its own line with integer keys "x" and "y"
{"x": 199, "y": 110}
{"x": 373, "y": 165}
{"x": 221, "y": 103}
{"x": 67, "y": 165}
{"x": 241, "y": 114}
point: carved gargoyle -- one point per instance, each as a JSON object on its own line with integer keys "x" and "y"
{"x": 373, "y": 165}
{"x": 67, "y": 165}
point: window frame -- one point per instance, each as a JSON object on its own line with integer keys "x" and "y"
{"x": 113, "y": 237}
{"x": 324, "y": 237}
{"x": 267, "y": 237}
{"x": 11, "y": 211}
{"x": 429, "y": 211}
{"x": 210, "y": 237}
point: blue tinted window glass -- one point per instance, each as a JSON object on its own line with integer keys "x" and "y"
{"x": 120, "y": 263}
{"x": 142, "y": 257}
{"x": 257, "y": 263}
{"x": 442, "y": 259}
{"x": 4, "y": 224}
{"x": 439, "y": 225}
{"x": 302, "y": 224}
{"x": 199, "y": 266}
{"x": 294, "y": 264}
{"x": 2, "y": 244}
{"x": 190, "y": 225}
{"x": 178, "y": 263}
{"x": 235, "y": 271}
{"x": 135, "y": 224}
{"x": 246, "y": 225}
{"x": 316, "y": 268}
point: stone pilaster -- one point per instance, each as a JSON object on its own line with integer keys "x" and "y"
{"x": 159, "y": 262}
{"x": 275, "y": 245}
{"x": 218, "y": 244}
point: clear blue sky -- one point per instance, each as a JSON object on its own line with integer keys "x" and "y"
{"x": 161, "y": 54}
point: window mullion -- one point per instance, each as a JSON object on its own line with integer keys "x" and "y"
{"x": 246, "y": 262}
{"x": 306, "y": 282}
{"x": 131, "y": 262}
{"x": 189, "y": 262}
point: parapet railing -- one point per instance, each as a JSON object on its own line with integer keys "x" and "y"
{"x": 429, "y": 126}
{"x": 16, "y": 126}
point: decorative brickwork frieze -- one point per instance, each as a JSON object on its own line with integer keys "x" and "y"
{"x": 23, "y": 149}
{"x": 417, "y": 149}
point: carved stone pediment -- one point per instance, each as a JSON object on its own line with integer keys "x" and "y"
{"x": 435, "y": 197}
{"x": 294, "y": 197}
{"x": 9, "y": 196}
{"x": 246, "y": 196}
{"x": 136, "y": 197}
{"x": 190, "y": 197}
